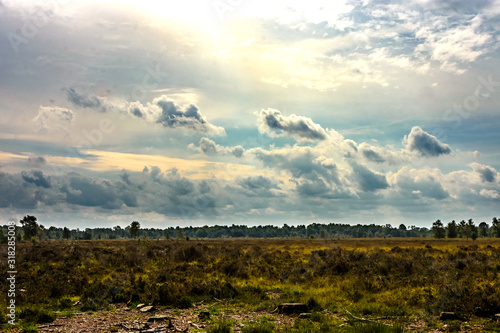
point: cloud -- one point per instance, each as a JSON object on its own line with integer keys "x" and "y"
{"x": 259, "y": 186}
{"x": 425, "y": 144}
{"x": 165, "y": 111}
{"x": 298, "y": 127}
{"x": 46, "y": 113}
{"x": 415, "y": 183}
{"x": 369, "y": 180}
{"x": 491, "y": 194}
{"x": 36, "y": 177}
{"x": 209, "y": 147}
{"x": 37, "y": 161}
{"x": 487, "y": 173}
{"x": 82, "y": 100}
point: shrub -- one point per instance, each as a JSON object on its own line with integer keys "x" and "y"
{"x": 183, "y": 303}
{"x": 65, "y": 303}
{"x": 36, "y": 314}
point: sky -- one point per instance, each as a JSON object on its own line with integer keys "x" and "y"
{"x": 186, "y": 113}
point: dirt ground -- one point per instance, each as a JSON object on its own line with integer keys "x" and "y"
{"x": 124, "y": 320}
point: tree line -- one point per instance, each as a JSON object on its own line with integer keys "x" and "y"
{"x": 30, "y": 229}
{"x": 465, "y": 229}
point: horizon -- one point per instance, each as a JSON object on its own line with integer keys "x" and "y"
{"x": 251, "y": 113}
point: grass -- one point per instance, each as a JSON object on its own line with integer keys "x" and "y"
{"x": 400, "y": 278}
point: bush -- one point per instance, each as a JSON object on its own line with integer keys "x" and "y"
{"x": 36, "y": 315}
{"x": 184, "y": 303}
{"x": 65, "y": 303}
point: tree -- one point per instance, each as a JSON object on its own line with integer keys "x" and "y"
{"x": 135, "y": 229}
{"x": 495, "y": 226}
{"x": 469, "y": 229}
{"x": 462, "y": 226}
{"x": 30, "y": 227}
{"x": 438, "y": 229}
{"x": 483, "y": 229}
{"x": 180, "y": 234}
{"x": 402, "y": 227}
{"x": 451, "y": 229}
{"x": 472, "y": 230}
{"x": 66, "y": 233}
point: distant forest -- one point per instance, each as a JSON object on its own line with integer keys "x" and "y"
{"x": 30, "y": 229}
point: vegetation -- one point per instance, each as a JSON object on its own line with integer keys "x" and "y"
{"x": 31, "y": 230}
{"x": 405, "y": 279}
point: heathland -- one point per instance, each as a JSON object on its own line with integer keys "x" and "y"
{"x": 348, "y": 285}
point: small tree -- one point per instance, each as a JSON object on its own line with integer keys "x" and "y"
{"x": 135, "y": 229}
{"x": 30, "y": 227}
{"x": 438, "y": 229}
{"x": 451, "y": 229}
{"x": 483, "y": 229}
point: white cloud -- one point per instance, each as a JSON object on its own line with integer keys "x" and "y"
{"x": 492, "y": 194}
{"x": 52, "y": 113}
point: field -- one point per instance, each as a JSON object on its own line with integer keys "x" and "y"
{"x": 349, "y": 285}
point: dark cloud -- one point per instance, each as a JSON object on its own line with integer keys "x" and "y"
{"x": 487, "y": 173}
{"x": 370, "y": 154}
{"x": 16, "y": 192}
{"x": 91, "y": 192}
{"x": 165, "y": 111}
{"x": 259, "y": 186}
{"x": 84, "y": 101}
{"x": 301, "y": 128}
{"x": 369, "y": 181}
{"x": 173, "y": 115}
{"x": 36, "y": 177}
{"x": 425, "y": 143}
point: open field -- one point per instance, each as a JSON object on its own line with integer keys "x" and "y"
{"x": 401, "y": 283}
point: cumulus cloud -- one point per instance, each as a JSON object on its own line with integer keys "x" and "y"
{"x": 36, "y": 177}
{"x": 487, "y": 173}
{"x": 50, "y": 113}
{"x": 491, "y": 194}
{"x": 425, "y": 144}
{"x": 273, "y": 123}
{"x": 415, "y": 183}
{"x": 369, "y": 180}
{"x": 259, "y": 186}
{"x": 165, "y": 111}
{"x": 209, "y": 147}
